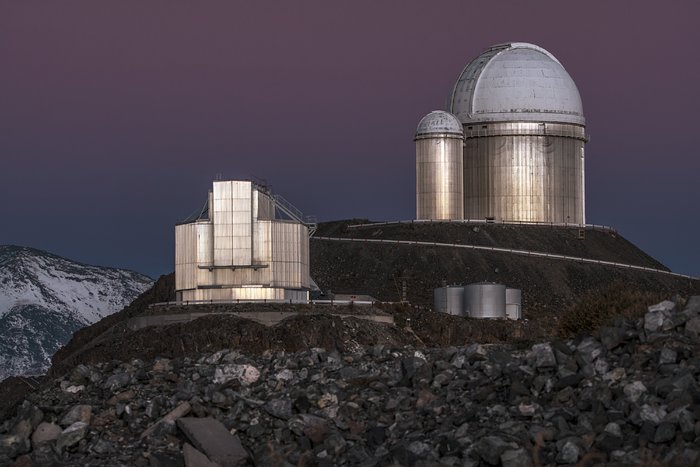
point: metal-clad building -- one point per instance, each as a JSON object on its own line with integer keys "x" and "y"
{"x": 524, "y": 137}
{"x": 485, "y": 300}
{"x": 439, "y": 187}
{"x": 242, "y": 249}
{"x": 449, "y": 299}
{"x": 514, "y": 302}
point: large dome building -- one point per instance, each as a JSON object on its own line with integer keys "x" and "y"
{"x": 524, "y": 136}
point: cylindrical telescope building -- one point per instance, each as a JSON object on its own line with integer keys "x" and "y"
{"x": 524, "y": 133}
{"x": 439, "y": 170}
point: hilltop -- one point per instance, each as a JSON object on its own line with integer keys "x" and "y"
{"x": 550, "y": 286}
{"x": 551, "y": 289}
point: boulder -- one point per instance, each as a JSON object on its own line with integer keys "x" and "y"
{"x": 45, "y": 433}
{"x": 212, "y": 438}
{"x": 543, "y": 356}
{"x": 71, "y": 435}
{"x": 77, "y": 413}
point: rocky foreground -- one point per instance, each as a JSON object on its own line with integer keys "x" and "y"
{"x": 629, "y": 396}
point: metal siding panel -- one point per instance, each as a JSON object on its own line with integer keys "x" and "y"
{"x": 222, "y": 222}
{"x": 241, "y": 232}
{"x": 205, "y": 244}
{"x": 296, "y": 295}
{"x": 222, "y": 190}
{"x": 485, "y": 300}
{"x": 262, "y": 252}
{"x": 449, "y": 300}
{"x": 185, "y": 256}
{"x": 513, "y": 303}
{"x": 242, "y": 205}
{"x": 290, "y": 255}
{"x": 187, "y": 295}
{"x": 305, "y": 260}
{"x": 439, "y": 178}
{"x": 264, "y": 207}
{"x": 203, "y": 277}
{"x": 534, "y": 176}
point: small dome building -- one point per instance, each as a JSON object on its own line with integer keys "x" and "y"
{"x": 439, "y": 171}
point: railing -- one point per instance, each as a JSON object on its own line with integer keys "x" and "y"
{"x": 288, "y": 208}
{"x": 294, "y": 213}
{"x": 271, "y": 301}
{"x": 487, "y": 221}
{"x": 525, "y": 129}
{"x": 312, "y": 224}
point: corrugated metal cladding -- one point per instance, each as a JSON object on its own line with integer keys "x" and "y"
{"x": 449, "y": 299}
{"x": 485, "y": 300}
{"x": 439, "y": 184}
{"x": 514, "y": 304}
{"x": 536, "y": 175}
{"x": 241, "y": 252}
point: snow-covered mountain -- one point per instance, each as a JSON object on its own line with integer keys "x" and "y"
{"x": 44, "y": 299}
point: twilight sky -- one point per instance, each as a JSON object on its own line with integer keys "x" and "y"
{"x": 115, "y": 116}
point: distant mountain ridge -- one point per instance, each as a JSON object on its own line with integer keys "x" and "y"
{"x": 45, "y": 298}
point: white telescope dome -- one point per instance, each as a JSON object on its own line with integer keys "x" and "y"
{"x": 516, "y": 82}
{"x": 439, "y": 121}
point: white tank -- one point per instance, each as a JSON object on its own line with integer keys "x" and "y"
{"x": 485, "y": 300}
{"x": 449, "y": 299}
{"x": 514, "y": 304}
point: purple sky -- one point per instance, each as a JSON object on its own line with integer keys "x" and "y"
{"x": 116, "y": 116}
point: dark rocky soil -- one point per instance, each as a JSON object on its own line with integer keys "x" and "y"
{"x": 629, "y": 395}
{"x": 550, "y": 287}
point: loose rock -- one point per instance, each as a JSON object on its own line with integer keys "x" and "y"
{"x": 45, "y": 433}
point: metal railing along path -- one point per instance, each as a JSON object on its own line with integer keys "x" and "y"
{"x": 271, "y": 301}
{"x": 538, "y": 254}
{"x": 605, "y": 228}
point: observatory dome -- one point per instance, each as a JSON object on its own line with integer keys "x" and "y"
{"x": 515, "y": 82}
{"x": 439, "y": 121}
